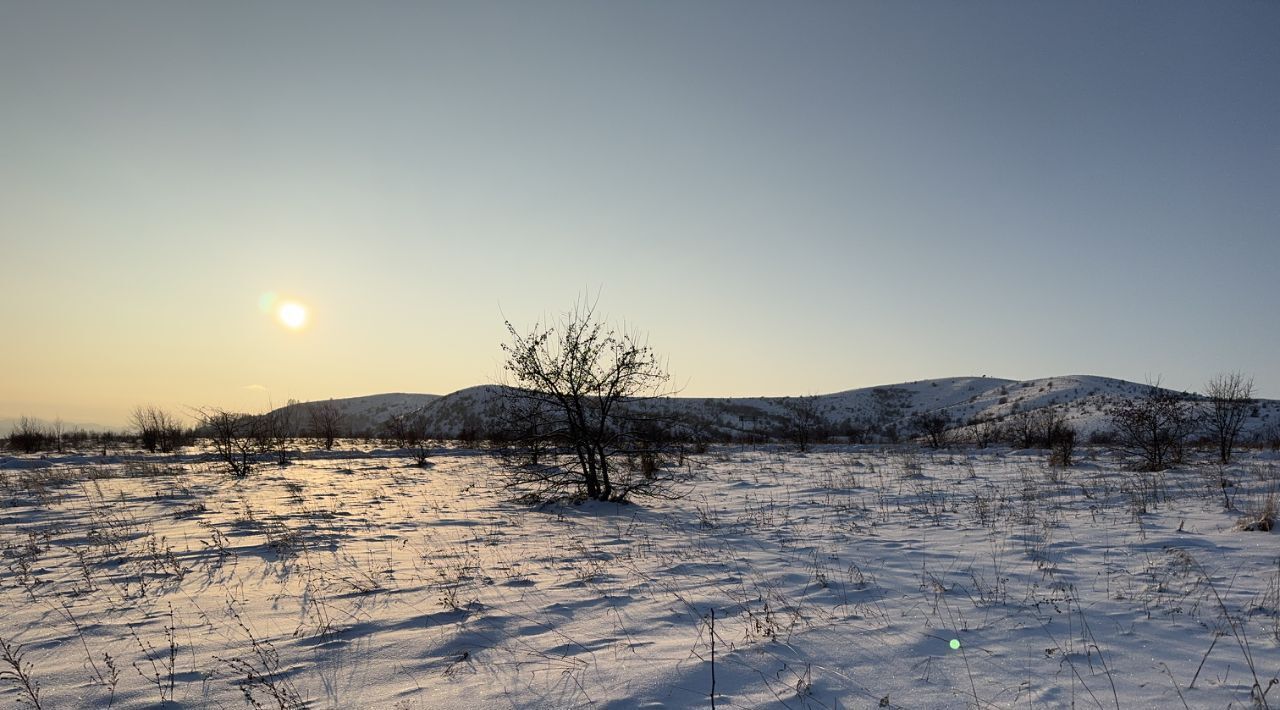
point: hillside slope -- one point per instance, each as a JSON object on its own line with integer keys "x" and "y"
{"x": 367, "y": 414}
{"x": 875, "y": 413}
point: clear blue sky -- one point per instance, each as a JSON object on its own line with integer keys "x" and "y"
{"x": 788, "y": 198}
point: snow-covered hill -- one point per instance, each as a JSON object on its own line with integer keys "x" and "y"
{"x": 368, "y": 413}
{"x": 874, "y": 412}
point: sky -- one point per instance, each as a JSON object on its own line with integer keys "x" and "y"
{"x": 786, "y": 198}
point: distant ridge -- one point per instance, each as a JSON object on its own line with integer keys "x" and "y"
{"x": 370, "y": 412}
{"x": 1082, "y": 400}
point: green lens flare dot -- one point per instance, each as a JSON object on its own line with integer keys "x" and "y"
{"x": 955, "y": 644}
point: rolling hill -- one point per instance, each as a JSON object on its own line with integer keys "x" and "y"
{"x": 874, "y": 412}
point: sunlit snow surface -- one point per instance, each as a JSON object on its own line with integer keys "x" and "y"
{"x": 838, "y": 578}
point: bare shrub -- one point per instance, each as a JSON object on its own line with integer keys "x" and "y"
{"x": 1259, "y": 512}
{"x": 589, "y": 377}
{"x": 156, "y": 429}
{"x": 984, "y": 432}
{"x": 17, "y": 671}
{"x": 29, "y": 436}
{"x": 274, "y": 432}
{"x": 325, "y": 420}
{"x": 934, "y": 427}
{"x": 1062, "y": 443}
{"x": 411, "y": 432}
{"x": 258, "y": 673}
{"x": 527, "y": 425}
{"x": 1153, "y": 427}
{"x": 1230, "y": 401}
{"x": 233, "y": 437}
{"x": 804, "y": 425}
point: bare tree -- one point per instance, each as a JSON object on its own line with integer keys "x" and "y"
{"x": 1044, "y": 428}
{"x": 410, "y": 431}
{"x": 984, "y": 432}
{"x": 1060, "y": 437}
{"x": 889, "y": 405}
{"x": 276, "y": 430}
{"x": 934, "y": 427}
{"x": 398, "y": 432}
{"x": 234, "y": 437}
{"x": 57, "y": 431}
{"x": 1230, "y": 399}
{"x": 586, "y": 375}
{"x": 1153, "y": 426}
{"x": 420, "y": 430}
{"x": 804, "y": 424}
{"x": 1020, "y": 430}
{"x": 140, "y": 422}
{"x": 325, "y": 419}
{"x": 157, "y": 429}
{"x": 1048, "y": 428}
{"x": 28, "y": 435}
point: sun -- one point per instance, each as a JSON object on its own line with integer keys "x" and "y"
{"x": 293, "y": 315}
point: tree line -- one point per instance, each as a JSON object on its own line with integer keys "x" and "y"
{"x": 1157, "y": 426}
{"x": 582, "y": 407}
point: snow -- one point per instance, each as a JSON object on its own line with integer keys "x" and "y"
{"x": 1083, "y": 400}
{"x": 838, "y": 578}
{"x": 367, "y": 413}
{"x": 12, "y": 462}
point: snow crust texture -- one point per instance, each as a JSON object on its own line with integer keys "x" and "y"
{"x": 836, "y": 578}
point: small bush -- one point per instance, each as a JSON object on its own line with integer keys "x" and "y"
{"x": 29, "y": 436}
{"x": 1259, "y": 514}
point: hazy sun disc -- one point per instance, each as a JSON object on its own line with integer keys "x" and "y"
{"x": 293, "y": 315}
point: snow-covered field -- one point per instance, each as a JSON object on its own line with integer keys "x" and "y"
{"x": 837, "y": 578}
